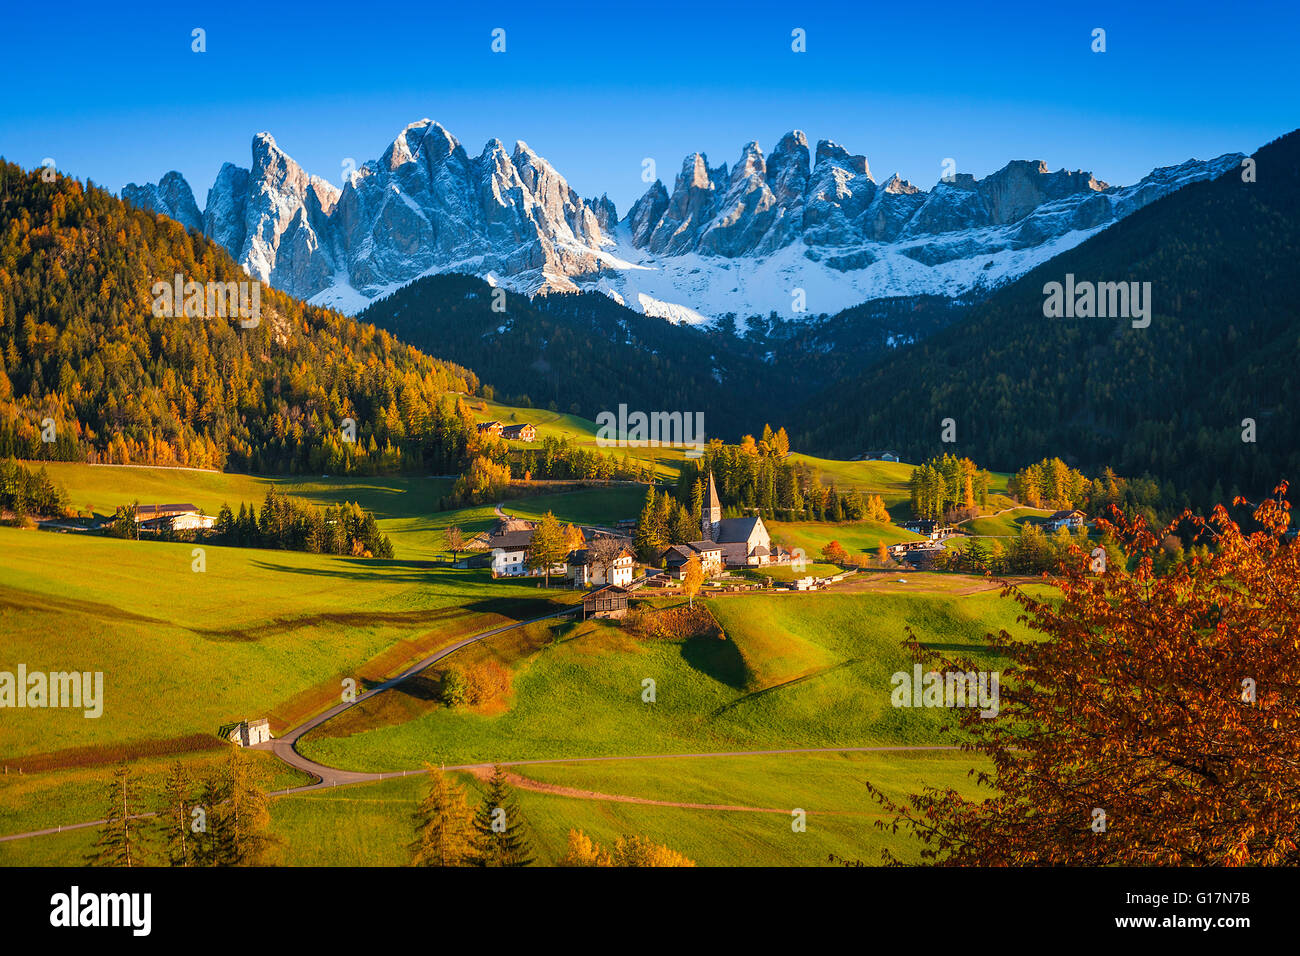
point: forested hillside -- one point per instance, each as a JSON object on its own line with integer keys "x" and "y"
{"x": 584, "y": 353}
{"x": 1169, "y": 400}
{"x": 80, "y": 345}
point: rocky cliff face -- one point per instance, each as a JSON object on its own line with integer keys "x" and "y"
{"x": 171, "y": 196}
{"x": 738, "y": 240}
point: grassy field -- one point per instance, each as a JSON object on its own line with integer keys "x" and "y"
{"x": 401, "y": 505}
{"x": 1005, "y": 525}
{"x": 795, "y": 671}
{"x": 786, "y": 572}
{"x": 581, "y": 431}
{"x": 272, "y": 633}
{"x": 857, "y": 537}
{"x": 33, "y": 801}
{"x": 360, "y": 826}
{"x": 259, "y": 633}
{"x": 371, "y": 824}
{"x": 589, "y": 506}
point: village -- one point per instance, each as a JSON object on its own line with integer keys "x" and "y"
{"x": 606, "y": 563}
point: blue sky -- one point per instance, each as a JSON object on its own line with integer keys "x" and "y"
{"x": 116, "y": 95}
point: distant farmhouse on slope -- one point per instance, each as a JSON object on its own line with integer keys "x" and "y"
{"x": 1064, "y": 519}
{"x": 246, "y": 733}
{"x": 878, "y": 456}
{"x": 508, "y": 544}
{"x": 180, "y": 517}
{"x": 519, "y": 432}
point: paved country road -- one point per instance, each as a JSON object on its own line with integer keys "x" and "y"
{"x": 285, "y": 747}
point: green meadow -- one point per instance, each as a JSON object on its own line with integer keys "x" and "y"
{"x": 256, "y": 634}
{"x": 856, "y": 537}
{"x": 581, "y": 431}
{"x": 794, "y": 670}
{"x": 1005, "y": 525}
{"x": 34, "y": 801}
{"x": 402, "y": 506}
{"x": 589, "y": 506}
{"x": 372, "y": 824}
{"x": 274, "y": 633}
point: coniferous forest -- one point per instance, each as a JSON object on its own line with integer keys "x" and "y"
{"x": 79, "y": 346}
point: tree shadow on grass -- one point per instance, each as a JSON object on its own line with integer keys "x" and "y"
{"x": 422, "y": 686}
{"x": 513, "y": 609}
{"x": 719, "y": 659}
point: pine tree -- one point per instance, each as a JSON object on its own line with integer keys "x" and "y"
{"x": 120, "y": 839}
{"x": 175, "y": 817}
{"x": 210, "y": 844}
{"x": 683, "y": 528}
{"x": 443, "y": 825}
{"x": 500, "y": 831}
{"x": 238, "y": 814}
{"x": 697, "y": 503}
{"x": 833, "y": 510}
{"x": 649, "y": 542}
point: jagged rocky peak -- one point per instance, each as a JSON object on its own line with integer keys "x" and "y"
{"x": 223, "y": 217}
{"x": 689, "y": 208}
{"x": 897, "y": 184}
{"x": 787, "y": 167}
{"x": 721, "y": 240}
{"x": 415, "y": 138}
{"x": 559, "y": 204}
{"x": 171, "y": 197}
{"x": 275, "y": 169}
{"x": 605, "y": 213}
{"x": 1021, "y": 186}
{"x": 645, "y": 214}
{"x": 829, "y": 151}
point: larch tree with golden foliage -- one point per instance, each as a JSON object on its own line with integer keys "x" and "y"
{"x": 443, "y": 829}
{"x": 628, "y": 851}
{"x": 692, "y": 578}
{"x": 1152, "y": 719}
{"x": 548, "y": 546}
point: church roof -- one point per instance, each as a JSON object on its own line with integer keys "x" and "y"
{"x": 737, "y": 529}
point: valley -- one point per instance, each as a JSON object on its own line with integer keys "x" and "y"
{"x": 792, "y": 673}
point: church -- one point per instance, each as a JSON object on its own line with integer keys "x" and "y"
{"x": 744, "y": 541}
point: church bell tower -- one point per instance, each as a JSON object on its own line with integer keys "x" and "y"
{"x": 711, "y": 514}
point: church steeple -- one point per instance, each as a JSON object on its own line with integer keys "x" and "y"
{"x": 711, "y": 513}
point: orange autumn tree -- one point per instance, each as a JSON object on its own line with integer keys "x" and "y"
{"x": 1169, "y": 702}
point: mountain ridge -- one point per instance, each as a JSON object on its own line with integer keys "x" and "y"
{"x": 1173, "y": 398}
{"x": 795, "y": 232}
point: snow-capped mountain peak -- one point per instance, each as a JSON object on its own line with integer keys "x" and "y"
{"x": 725, "y": 240}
